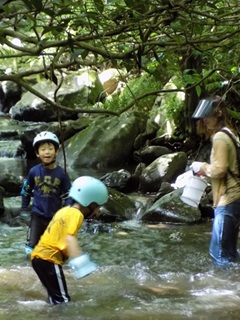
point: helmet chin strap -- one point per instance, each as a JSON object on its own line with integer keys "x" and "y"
{"x": 92, "y": 210}
{"x": 45, "y": 165}
{"x": 89, "y": 214}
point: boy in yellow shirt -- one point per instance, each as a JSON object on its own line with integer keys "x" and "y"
{"x": 59, "y": 241}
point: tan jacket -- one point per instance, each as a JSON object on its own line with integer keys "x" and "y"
{"x": 223, "y": 160}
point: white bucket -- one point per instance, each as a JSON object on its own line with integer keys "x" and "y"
{"x": 193, "y": 191}
{"x": 182, "y": 180}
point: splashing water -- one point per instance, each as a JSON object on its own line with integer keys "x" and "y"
{"x": 146, "y": 273}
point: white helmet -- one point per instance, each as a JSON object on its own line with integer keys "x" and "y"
{"x": 86, "y": 190}
{"x": 45, "y": 136}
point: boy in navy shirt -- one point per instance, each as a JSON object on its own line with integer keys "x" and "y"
{"x": 48, "y": 184}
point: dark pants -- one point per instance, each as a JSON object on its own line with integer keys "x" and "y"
{"x": 38, "y": 224}
{"x": 52, "y": 277}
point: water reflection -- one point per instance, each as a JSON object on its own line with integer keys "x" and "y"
{"x": 146, "y": 272}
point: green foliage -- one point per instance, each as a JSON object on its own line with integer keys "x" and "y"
{"x": 135, "y": 88}
{"x": 171, "y": 105}
{"x": 234, "y": 114}
{"x": 174, "y": 106}
{"x": 197, "y": 42}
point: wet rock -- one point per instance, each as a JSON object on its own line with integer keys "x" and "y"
{"x": 118, "y": 208}
{"x": 150, "y": 153}
{"x": 107, "y": 142}
{"x": 165, "y": 168}
{"x": 10, "y": 94}
{"x": 170, "y": 208}
{"x": 77, "y": 91}
{"x": 117, "y": 179}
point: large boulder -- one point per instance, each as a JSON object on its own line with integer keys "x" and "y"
{"x": 77, "y": 91}
{"x": 165, "y": 168}
{"x": 10, "y": 94}
{"x": 150, "y": 153}
{"x": 170, "y": 208}
{"x": 119, "y": 207}
{"x": 107, "y": 142}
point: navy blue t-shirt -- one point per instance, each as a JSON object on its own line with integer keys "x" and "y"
{"x": 49, "y": 189}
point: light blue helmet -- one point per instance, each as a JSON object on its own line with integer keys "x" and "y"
{"x": 86, "y": 190}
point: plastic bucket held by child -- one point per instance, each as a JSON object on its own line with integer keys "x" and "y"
{"x": 193, "y": 191}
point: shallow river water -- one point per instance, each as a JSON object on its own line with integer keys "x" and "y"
{"x": 145, "y": 272}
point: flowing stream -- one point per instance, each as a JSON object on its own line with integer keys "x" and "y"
{"x": 145, "y": 273}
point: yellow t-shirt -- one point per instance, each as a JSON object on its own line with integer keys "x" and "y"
{"x": 52, "y": 245}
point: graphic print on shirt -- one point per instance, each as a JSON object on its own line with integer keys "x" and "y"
{"x": 60, "y": 222}
{"x": 47, "y": 187}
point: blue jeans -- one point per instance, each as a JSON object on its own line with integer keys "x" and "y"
{"x": 223, "y": 245}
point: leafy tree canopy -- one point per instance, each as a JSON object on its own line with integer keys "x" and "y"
{"x": 195, "y": 42}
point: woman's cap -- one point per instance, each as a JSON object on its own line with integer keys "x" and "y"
{"x": 206, "y": 107}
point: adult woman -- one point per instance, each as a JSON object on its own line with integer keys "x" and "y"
{"x": 224, "y": 173}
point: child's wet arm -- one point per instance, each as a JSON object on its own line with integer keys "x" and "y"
{"x": 73, "y": 248}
